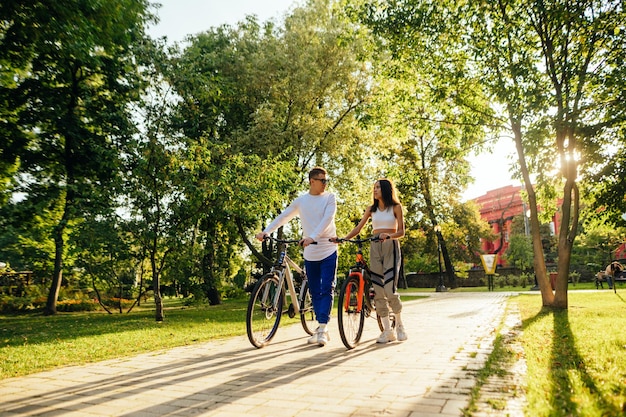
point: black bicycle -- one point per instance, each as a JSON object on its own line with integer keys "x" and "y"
{"x": 269, "y": 297}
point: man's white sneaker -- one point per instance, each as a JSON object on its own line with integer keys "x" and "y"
{"x": 386, "y": 337}
{"x": 401, "y": 333}
{"x": 322, "y": 338}
{"x": 315, "y": 339}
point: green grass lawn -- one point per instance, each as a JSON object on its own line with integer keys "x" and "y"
{"x": 576, "y": 358}
{"x": 33, "y": 343}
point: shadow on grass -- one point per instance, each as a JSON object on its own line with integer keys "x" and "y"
{"x": 570, "y": 377}
{"x": 621, "y": 297}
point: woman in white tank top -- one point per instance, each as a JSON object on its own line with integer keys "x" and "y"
{"x": 385, "y": 257}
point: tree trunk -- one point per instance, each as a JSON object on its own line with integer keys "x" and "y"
{"x": 547, "y": 296}
{"x": 567, "y": 233}
{"x": 55, "y": 287}
{"x": 59, "y": 244}
{"x": 156, "y": 285}
{"x": 211, "y": 287}
{"x": 448, "y": 264}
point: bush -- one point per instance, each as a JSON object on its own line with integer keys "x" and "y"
{"x": 77, "y": 305}
{"x": 233, "y": 293}
{"x": 525, "y": 279}
{"x": 11, "y": 304}
{"x": 574, "y": 277}
{"x": 115, "y": 302}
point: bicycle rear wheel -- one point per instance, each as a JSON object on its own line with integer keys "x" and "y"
{"x": 263, "y": 317}
{"x": 351, "y": 320}
{"x": 307, "y": 315}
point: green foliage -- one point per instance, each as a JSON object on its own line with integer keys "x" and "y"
{"x": 415, "y": 254}
{"x": 261, "y": 106}
{"x": 520, "y": 252}
{"x": 232, "y": 121}
{"x": 12, "y": 304}
{"x": 73, "y": 78}
{"x": 78, "y": 305}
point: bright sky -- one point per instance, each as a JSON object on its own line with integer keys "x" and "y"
{"x": 183, "y": 17}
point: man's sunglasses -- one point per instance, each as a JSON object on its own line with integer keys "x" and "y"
{"x": 322, "y": 180}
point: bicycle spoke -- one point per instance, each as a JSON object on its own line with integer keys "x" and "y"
{"x": 350, "y": 318}
{"x": 307, "y": 315}
{"x": 263, "y": 316}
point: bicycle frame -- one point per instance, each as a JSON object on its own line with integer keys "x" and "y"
{"x": 357, "y": 270}
{"x": 354, "y": 304}
{"x": 282, "y": 268}
{"x": 268, "y": 299}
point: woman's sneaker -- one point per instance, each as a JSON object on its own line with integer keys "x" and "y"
{"x": 401, "y": 334}
{"x": 386, "y": 336}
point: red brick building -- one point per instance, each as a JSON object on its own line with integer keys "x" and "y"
{"x": 498, "y": 208}
{"x": 620, "y": 252}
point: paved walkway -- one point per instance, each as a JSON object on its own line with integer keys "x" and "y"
{"x": 431, "y": 374}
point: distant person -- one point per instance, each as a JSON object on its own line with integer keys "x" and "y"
{"x": 385, "y": 259}
{"x": 316, "y": 210}
{"x": 612, "y": 271}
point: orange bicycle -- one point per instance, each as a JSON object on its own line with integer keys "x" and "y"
{"x": 356, "y": 298}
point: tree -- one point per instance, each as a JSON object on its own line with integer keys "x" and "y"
{"x": 548, "y": 63}
{"x": 74, "y": 76}
{"x": 277, "y": 100}
{"x": 438, "y": 111}
{"x": 520, "y": 252}
{"x": 551, "y": 69}
{"x": 102, "y": 249}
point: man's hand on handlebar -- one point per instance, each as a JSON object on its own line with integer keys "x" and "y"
{"x": 306, "y": 242}
{"x": 261, "y": 236}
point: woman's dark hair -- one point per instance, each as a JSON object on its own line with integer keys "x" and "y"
{"x": 388, "y": 194}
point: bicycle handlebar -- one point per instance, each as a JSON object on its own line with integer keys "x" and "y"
{"x": 285, "y": 241}
{"x": 359, "y": 240}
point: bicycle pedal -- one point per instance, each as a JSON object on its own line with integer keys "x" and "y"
{"x": 291, "y": 312}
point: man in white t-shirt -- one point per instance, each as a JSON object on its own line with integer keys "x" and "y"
{"x": 316, "y": 210}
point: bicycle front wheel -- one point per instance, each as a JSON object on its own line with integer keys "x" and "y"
{"x": 263, "y": 316}
{"x": 307, "y": 315}
{"x": 351, "y": 319}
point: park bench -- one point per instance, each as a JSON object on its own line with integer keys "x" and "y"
{"x": 601, "y": 279}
